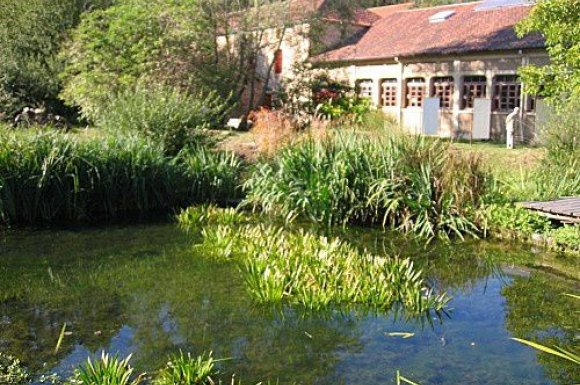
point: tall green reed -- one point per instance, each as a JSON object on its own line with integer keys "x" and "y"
{"x": 412, "y": 184}
{"x": 52, "y": 177}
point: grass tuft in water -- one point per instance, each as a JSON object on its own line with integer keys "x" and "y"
{"x": 319, "y": 272}
{"x": 184, "y": 369}
{"x": 196, "y": 217}
{"x": 108, "y": 370}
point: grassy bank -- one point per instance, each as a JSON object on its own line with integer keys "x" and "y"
{"x": 53, "y": 177}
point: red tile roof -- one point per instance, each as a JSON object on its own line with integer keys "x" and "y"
{"x": 386, "y": 10}
{"x": 361, "y": 17}
{"x": 408, "y": 32}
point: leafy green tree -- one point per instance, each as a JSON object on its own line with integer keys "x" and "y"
{"x": 559, "y": 22}
{"x": 163, "y": 42}
{"x": 31, "y": 33}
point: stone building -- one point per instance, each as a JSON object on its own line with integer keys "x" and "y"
{"x": 449, "y": 70}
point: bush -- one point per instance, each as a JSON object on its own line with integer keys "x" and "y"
{"x": 51, "y": 177}
{"x": 166, "y": 115}
{"x": 411, "y": 184}
{"x": 31, "y": 34}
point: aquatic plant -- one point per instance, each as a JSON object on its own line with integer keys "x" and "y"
{"x": 197, "y": 216}
{"x": 11, "y": 371}
{"x": 108, "y": 370}
{"x": 184, "y": 369}
{"x": 513, "y": 218}
{"x": 415, "y": 185}
{"x": 318, "y": 272}
{"x": 52, "y": 177}
{"x": 566, "y": 238}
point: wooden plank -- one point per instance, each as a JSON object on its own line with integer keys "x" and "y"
{"x": 564, "y": 209}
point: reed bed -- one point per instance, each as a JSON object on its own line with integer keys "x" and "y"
{"x": 412, "y": 184}
{"x": 283, "y": 266}
{"x": 53, "y": 177}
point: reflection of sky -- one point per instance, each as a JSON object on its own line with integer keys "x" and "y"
{"x": 179, "y": 302}
{"x": 471, "y": 347}
{"x": 121, "y": 344}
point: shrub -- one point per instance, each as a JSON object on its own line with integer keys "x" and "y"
{"x": 183, "y": 369}
{"x": 166, "y": 115}
{"x": 51, "y": 177}
{"x": 347, "y": 106}
{"x": 319, "y": 272}
{"x": 411, "y": 184}
{"x": 108, "y": 370}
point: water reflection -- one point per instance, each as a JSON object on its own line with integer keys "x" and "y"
{"x": 143, "y": 289}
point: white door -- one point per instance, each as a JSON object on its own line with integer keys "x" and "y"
{"x": 481, "y": 128}
{"x": 430, "y": 116}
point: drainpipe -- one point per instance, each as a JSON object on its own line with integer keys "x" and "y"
{"x": 458, "y": 86}
{"x": 523, "y": 97}
{"x": 400, "y": 94}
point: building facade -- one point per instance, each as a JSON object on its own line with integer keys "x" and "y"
{"x": 449, "y": 71}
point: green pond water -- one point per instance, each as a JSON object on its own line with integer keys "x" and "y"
{"x": 146, "y": 290}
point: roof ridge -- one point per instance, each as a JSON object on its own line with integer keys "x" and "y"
{"x": 442, "y": 6}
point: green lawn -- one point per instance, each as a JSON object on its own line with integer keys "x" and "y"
{"x": 504, "y": 163}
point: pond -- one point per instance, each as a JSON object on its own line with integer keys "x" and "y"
{"x": 147, "y": 290}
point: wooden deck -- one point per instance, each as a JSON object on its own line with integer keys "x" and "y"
{"x": 565, "y": 210}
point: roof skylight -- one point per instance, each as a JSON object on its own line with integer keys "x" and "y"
{"x": 441, "y": 16}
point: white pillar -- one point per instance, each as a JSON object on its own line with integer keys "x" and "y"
{"x": 457, "y": 87}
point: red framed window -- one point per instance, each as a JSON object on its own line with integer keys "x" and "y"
{"x": 389, "y": 90}
{"x": 415, "y": 92}
{"x": 473, "y": 87}
{"x": 278, "y": 61}
{"x": 443, "y": 89}
{"x": 507, "y": 93}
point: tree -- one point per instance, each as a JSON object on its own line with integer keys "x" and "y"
{"x": 193, "y": 45}
{"x": 31, "y": 33}
{"x": 559, "y": 22}
{"x": 130, "y": 43}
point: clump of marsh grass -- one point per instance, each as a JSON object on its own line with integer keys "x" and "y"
{"x": 412, "y": 184}
{"x": 108, "y": 370}
{"x": 196, "y": 217}
{"x": 319, "y": 272}
{"x": 184, "y": 369}
{"x": 53, "y": 177}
